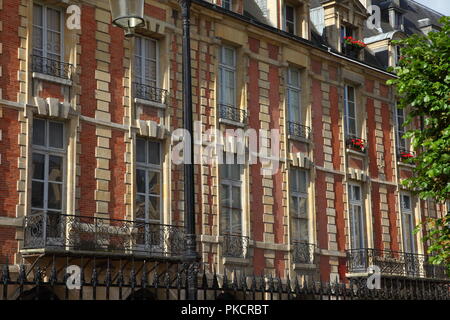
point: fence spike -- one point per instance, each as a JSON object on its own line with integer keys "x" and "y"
{"x": 38, "y": 276}
{"x": 244, "y": 281}
{"x": 225, "y": 280}
{"x": 253, "y": 285}
{"x": 204, "y": 280}
{"x": 215, "y": 283}
{"x": 234, "y": 281}
{"x": 144, "y": 279}
{"x": 22, "y": 274}
{"x": 133, "y": 278}
{"x": 5, "y": 273}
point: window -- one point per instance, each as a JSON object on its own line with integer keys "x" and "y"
{"x": 397, "y": 55}
{"x": 346, "y": 31}
{"x": 47, "y": 32}
{"x": 402, "y": 143}
{"x": 290, "y": 19}
{"x": 350, "y": 110}
{"x": 146, "y": 61}
{"x": 407, "y": 223}
{"x": 226, "y": 4}
{"x": 357, "y": 224}
{"x": 299, "y": 204}
{"x": 227, "y": 76}
{"x": 293, "y": 95}
{"x": 230, "y": 193}
{"x": 398, "y": 20}
{"x": 148, "y": 181}
{"x": 47, "y": 172}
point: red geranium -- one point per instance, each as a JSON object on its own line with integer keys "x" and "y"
{"x": 354, "y": 42}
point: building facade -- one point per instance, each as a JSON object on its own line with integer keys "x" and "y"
{"x": 87, "y": 122}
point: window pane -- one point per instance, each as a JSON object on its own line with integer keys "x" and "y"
{"x": 140, "y": 207}
{"x": 56, "y": 135}
{"x": 37, "y": 41}
{"x": 303, "y": 207}
{"x": 294, "y": 75}
{"x": 55, "y": 167}
{"x": 225, "y": 220}
{"x": 153, "y": 183}
{"x": 225, "y": 195}
{"x": 236, "y": 222}
{"x": 154, "y": 152}
{"x": 140, "y": 181}
{"x": 351, "y": 94}
{"x": 236, "y": 197}
{"x": 37, "y": 194}
{"x": 294, "y": 180}
{"x": 302, "y": 181}
{"x": 54, "y": 195}
{"x": 38, "y": 167}
{"x": 154, "y": 208}
{"x": 303, "y": 226}
{"x": 294, "y": 105}
{"x": 351, "y": 126}
{"x": 351, "y": 110}
{"x": 140, "y": 150}
{"x": 294, "y": 206}
{"x": 39, "y": 132}
{"x": 235, "y": 170}
{"x": 228, "y": 56}
{"x": 53, "y": 19}
{"x": 37, "y": 15}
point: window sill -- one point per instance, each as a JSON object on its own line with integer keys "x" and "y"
{"x": 407, "y": 165}
{"x": 232, "y": 123}
{"x": 150, "y": 103}
{"x": 356, "y": 153}
{"x": 45, "y": 77}
{"x": 304, "y": 266}
{"x": 301, "y": 139}
{"x": 236, "y": 261}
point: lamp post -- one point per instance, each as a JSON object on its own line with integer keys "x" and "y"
{"x": 129, "y": 14}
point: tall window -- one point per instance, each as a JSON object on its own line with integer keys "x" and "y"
{"x": 293, "y": 95}
{"x": 290, "y": 19}
{"x": 146, "y": 61}
{"x": 227, "y": 76}
{"x": 47, "y": 172}
{"x": 148, "y": 181}
{"x": 227, "y": 4}
{"x": 397, "y": 55}
{"x": 47, "y": 32}
{"x": 407, "y": 222}
{"x": 230, "y": 193}
{"x": 357, "y": 224}
{"x": 350, "y": 110}
{"x": 402, "y": 142}
{"x": 299, "y": 204}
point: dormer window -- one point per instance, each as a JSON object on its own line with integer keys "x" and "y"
{"x": 290, "y": 20}
{"x": 396, "y": 19}
{"x": 227, "y": 4}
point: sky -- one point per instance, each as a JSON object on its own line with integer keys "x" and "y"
{"x": 441, "y": 6}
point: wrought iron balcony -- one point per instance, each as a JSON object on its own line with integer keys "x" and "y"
{"x": 230, "y": 113}
{"x": 235, "y": 246}
{"x": 356, "y": 143}
{"x": 51, "y": 67}
{"x": 394, "y": 263}
{"x": 298, "y": 130}
{"x": 54, "y": 232}
{"x": 150, "y": 93}
{"x": 404, "y": 154}
{"x": 303, "y": 252}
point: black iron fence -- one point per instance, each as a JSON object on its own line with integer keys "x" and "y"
{"x": 235, "y": 246}
{"x": 298, "y": 130}
{"x": 150, "y": 93}
{"x": 394, "y": 263}
{"x": 51, "y": 67}
{"x": 231, "y": 113}
{"x": 303, "y": 252}
{"x": 60, "y": 233}
{"x": 53, "y": 278}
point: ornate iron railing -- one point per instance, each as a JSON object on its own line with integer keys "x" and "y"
{"x": 56, "y": 232}
{"x": 298, "y": 130}
{"x": 405, "y": 154}
{"x": 150, "y": 93}
{"x": 303, "y": 252}
{"x": 356, "y": 143}
{"x": 394, "y": 263}
{"x": 235, "y": 246}
{"x": 232, "y": 113}
{"x": 51, "y": 67}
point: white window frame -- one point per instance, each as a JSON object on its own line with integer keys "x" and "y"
{"x": 356, "y": 242}
{"x": 141, "y": 56}
{"x": 226, "y": 182}
{"x": 223, "y": 67}
{"x": 407, "y": 217}
{"x": 295, "y": 174}
{"x": 347, "y": 103}
{"x": 291, "y": 88}
{"x": 149, "y": 167}
{"x": 285, "y": 18}
{"x": 400, "y": 120}
{"x": 44, "y": 28}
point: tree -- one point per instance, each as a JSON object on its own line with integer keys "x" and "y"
{"x": 423, "y": 84}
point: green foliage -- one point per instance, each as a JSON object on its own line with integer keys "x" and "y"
{"x": 423, "y": 84}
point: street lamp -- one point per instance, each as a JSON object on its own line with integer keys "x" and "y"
{"x": 129, "y": 14}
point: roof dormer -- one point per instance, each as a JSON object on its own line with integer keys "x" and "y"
{"x": 426, "y": 26}
{"x": 395, "y": 13}
{"x": 232, "y": 5}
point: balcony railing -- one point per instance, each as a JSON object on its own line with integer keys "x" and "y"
{"x": 297, "y": 130}
{"x": 51, "y": 67}
{"x": 234, "y": 114}
{"x": 303, "y": 252}
{"x": 58, "y": 232}
{"x": 394, "y": 263}
{"x": 356, "y": 143}
{"x": 235, "y": 246}
{"x": 150, "y": 93}
{"x": 405, "y": 154}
